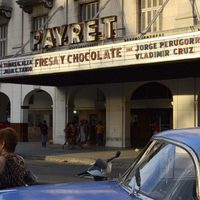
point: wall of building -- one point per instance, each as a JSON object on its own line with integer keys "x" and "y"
{"x": 118, "y": 103}
{"x": 118, "y": 107}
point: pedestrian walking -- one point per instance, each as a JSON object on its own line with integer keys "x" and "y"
{"x": 99, "y": 128}
{"x": 67, "y": 131}
{"x": 70, "y": 135}
{"x": 81, "y": 139}
{"x": 44, "y": 133}
{"x": 87, "y": 129}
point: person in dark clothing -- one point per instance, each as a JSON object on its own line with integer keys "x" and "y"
{"x": 70, "y": 135}
{"x": 99, "y": 133}
{"x": 44, "y": 133}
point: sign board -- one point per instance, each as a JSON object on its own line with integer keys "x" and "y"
{"x": 132, "y": 53}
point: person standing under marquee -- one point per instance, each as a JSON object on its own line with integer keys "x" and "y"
{"x": 44, "y": 133}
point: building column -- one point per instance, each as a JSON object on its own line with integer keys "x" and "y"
{"x": 184, "y": 105}
{"x": 115, "y": 117}
{"x": 59, "y": 116}
{"x": 183, "y": 112}
{"x": 17, "y": 113}
{"x": 127, "y": 122}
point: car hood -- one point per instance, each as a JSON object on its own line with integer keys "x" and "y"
{"x": 68, "y": 191}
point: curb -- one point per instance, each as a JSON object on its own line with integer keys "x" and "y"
{"x": 88, "y": 158}
{"x": 61, "y": 159}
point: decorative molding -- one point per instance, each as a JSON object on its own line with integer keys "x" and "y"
{"x": 5, "y": 9}
{"x": 86, "y": 1}
{"x": 27, "y": 5}
{"x": 48, "y": 3}
{"x": 25, "y": 107}
{"x": 5, "y": 12}
{"x": 113, "y": 139}
{"x": 27, "y": 9}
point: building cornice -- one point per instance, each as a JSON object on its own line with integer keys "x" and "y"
{"x": 5, "y": 9}
{"x": 27, "y": 5}
{"x": 5, "y": 12}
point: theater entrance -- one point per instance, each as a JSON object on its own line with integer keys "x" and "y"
{"x": 151, "y": 112}
{"x": 147, "y": 122}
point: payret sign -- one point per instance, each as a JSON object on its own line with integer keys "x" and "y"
{"x": 75, "y": 33}
{"x": 163, "y": 49}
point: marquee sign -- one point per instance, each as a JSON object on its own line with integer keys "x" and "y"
{"x": 169, "y": 48}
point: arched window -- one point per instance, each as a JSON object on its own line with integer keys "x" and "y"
{"x": 152, "y": 91}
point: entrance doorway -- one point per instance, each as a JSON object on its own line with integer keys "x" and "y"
{"x": 151, "y": 112}
{"x": 88, "y": 104}
{"x": 4, "y": 108}
{"x": 146, "y": 122}
{"x": 39, "y": 104}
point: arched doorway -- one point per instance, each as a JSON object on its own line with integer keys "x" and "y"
{"x": 87, "y": 103}
{"x": 39, "y": 104}
{"x": 4, "y": 108}
{"x": 151, "y": 112}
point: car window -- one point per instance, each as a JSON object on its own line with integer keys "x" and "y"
{"x": 165, "y": 171}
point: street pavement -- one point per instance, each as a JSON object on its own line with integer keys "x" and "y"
{"x": 86, "y": 155}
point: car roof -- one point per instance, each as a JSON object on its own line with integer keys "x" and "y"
{"x": 187, "y": 136}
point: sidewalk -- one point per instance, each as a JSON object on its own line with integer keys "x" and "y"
{"x": 87, "y": 155}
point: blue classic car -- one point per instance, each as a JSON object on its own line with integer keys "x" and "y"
{"x": 167, "y": 168}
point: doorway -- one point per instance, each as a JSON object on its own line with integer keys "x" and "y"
{"x": 147, "y": 122}
{"x": 151, "y": 112}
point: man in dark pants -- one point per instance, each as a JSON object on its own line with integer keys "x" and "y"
{"x": 99, "y": 133}
{"x": 44, "y": 133}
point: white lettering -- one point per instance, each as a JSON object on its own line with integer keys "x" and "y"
{"x": 91, "y": 32}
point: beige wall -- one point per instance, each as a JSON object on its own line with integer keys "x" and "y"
{"x": 126, "y": 10}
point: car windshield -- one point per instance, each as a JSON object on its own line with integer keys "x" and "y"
{"x": 165, "y": 171}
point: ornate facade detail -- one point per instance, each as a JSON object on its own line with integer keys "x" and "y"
{"x": 27, "y": 5}
{"x": 5, "y": 8}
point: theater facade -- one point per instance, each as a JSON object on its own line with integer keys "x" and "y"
{"x": 132, "y": 64}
